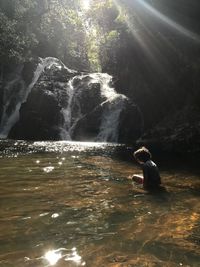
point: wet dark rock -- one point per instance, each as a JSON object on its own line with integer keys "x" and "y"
{"x": 130, "y": 123}
{"x": 87, "y": 96}
{"x": 1, "y": 98}
{"x": 60, "y": 92}
{"x": 87, "y": 127}
{"x": 28, "y": 70}
{"x": 58, "y": 72}
{"x": 40, "y": 118}
{"x": 179, "y": 132}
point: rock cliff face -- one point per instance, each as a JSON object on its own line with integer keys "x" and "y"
{"x": 62, "y": 104}
{"x": 159, "y": 69}
{"x": 179, "y": 132}
{"x": 40, "y": 116}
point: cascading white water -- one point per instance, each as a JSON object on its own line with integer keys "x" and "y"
{"x": 9, "y": 97}
{"x": 67, "y": 112}
{"x": 112, "y": 107}
{"x": 69, "y": 122}
{"x": 110, "y": 121}
{"x": 8, "y": 121}
{"x": 110, "y": 118}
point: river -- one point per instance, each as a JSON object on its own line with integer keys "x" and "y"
{"x": 70, "y": 204}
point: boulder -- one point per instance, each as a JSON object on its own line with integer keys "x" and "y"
{"x": 40, "y": 118}
{"x": 177, "y": 133}
{"x": 88, "y": 126}
{"x": 130, "y": 123}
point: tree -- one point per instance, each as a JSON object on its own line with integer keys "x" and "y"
{"x": 14, "y": 47}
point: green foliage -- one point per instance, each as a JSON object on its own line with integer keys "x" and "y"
{"x": 14, "y": 45}
{"x": 103, "y": 33}
{"x": 42, "y": 28}
{"x": 60, "y": 28}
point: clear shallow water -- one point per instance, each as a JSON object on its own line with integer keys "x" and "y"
{"x": 70, "y": 204}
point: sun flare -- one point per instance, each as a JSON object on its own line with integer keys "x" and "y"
{"x": 86, "y": 4}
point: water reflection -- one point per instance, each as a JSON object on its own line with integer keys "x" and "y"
{"x": 54, "y": 256}
{"x": 74, "y": 257}
{"x": 55, "y": 215}
{"x": 48, "y": 169}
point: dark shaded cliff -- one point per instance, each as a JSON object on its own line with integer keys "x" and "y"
{"x": 158, "y": 66}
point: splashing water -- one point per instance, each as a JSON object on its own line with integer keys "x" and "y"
{"x": 110, "y": 119}
{"x": 112, "y": 105}
{"x": 8, "y": 121}
{"x": 10, "y": 97}
{"x": 73, "y": 108}
{"x": 67, "y": 112}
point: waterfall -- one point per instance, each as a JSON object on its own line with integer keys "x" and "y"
{"x": 73, "y": 100}
{"x": 9, "y": 98}
{"x": 110, "y": 121}
{"x": 8, "y": 120}
{"x": 115, "y": 103}
{"x": 112, "y": 104}
{"x": 67, "y": 112}
{"x": 70, "y": 106}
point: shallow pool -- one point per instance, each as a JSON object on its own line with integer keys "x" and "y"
{"x": 70, "y": 204}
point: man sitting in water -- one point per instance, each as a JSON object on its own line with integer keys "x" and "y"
{"x": 151, "y": 177}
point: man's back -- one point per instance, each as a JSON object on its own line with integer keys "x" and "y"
{"x": 151, "y": 174}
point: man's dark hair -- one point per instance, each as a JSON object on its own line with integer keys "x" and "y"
{"x": 142, "y": 154}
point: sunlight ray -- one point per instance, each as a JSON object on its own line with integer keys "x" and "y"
{"x": 148, "y": 39}
{"x": 132, "y": 27}
{"x": 173, "y": 24}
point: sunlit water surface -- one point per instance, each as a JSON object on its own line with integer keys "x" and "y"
{"x": 70, "y": 204}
